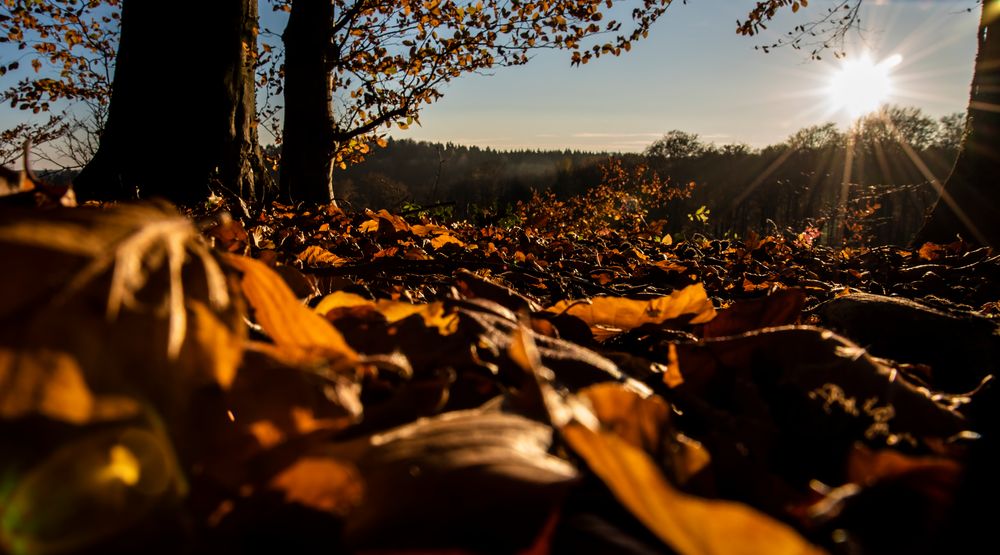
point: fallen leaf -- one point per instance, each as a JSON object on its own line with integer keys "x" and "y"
{"x": 321, "y": 483}
{"x": 314, "y": 255}
{"x": 688, "y": 524}
{"x": 341, "y": 299}
{"x": 624, "y": 314}
{"x": 425, "y": 230}
{"x": 51, "y": 384}
{"x": 434, "y": 315}
{"x": 445, "y": 239}
{"x": 428, "y": 480}
{"x": 292, "y": 326}
{"x": 778, "y": 309}
{"x": 135, "y": 277}
{"x": 645, "y": 424}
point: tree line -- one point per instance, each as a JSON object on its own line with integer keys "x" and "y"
{"x": 793, "y": 184}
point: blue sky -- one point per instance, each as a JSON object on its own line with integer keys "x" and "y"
{"x": 694, "y": 73}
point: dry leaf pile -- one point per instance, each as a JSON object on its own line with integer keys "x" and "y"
{"x": 317, "y": 381}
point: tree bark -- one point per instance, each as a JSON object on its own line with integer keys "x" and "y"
{"x": 307, "y": 152}
{"x": 183, "y": 111}
{"x": 970, "y": 200}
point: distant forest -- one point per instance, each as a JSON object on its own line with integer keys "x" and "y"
{"x": 887, "y": 161}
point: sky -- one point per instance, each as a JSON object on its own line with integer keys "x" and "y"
{"x": 695, "y": 74}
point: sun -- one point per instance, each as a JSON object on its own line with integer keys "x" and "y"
{"x": 861, "y": 86}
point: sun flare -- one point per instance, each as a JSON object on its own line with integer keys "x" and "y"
{"x": 861, "y": 86}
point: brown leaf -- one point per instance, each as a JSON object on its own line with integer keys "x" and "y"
{"x": 229, "y": 235}
{"x": 778, "y": 309}
{"x": 447, "y": 481}
{"x": 314, "y": 255}
{"x": 385, "y": 223}
{"x": 937, "y": 478}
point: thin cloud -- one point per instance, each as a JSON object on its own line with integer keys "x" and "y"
{"x": 590, "y": 135}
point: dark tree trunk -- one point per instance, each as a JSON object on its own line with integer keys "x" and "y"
{"x": 182, "y": 110}
{"x": 970, "y": 202}
{"x": 308, "y": 149}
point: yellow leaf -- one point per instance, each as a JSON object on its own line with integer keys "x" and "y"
{"x": 626, "y": 314}
{"x": 293, "y": 327}
{"x": 341, "y": 299}
{"x": 433, "y": 314}
{"x": 688, "y": 524}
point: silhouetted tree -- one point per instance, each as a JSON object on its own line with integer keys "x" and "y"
{"x": 196, "y": 91}
{"x": 676, "y": 145}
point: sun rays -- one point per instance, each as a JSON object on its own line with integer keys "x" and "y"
{"x": 857, "y": 88}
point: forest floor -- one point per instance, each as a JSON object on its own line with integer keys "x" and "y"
{"x": 315, "y": 380}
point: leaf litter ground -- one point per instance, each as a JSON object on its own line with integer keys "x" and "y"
{"x": 321, "y": 381}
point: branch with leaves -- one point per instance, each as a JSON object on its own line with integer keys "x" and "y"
{"x": 389, "y": 58}
{"x": 826, "y": 32}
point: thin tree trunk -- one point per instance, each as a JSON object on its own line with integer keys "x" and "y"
{"x": 182, "y": 110}
{"x": 970, "y": 201}
{"x": 308, "y": 149}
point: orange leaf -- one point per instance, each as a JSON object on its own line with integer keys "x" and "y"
{"x": 295, "y": 329}
{"x": 442, "y": 240}
{"x": 321, "y": 483}
{"x": 688, "y": 524}
{"x": 626, "y": 314}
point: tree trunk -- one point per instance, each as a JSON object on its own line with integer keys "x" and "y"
{"x": 307, "y": 151}
{"x": 182, "y": 110}
{"x": 970, "y": 200}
